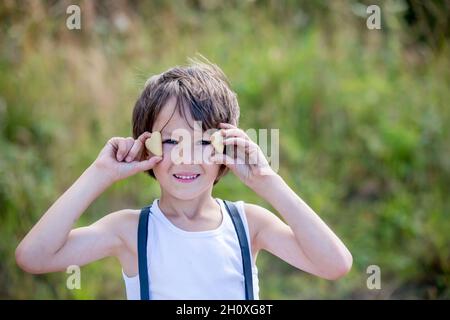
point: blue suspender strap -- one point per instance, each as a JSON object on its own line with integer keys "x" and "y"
{"x": 245, "y": 250}
{"x": 142, "y": 253}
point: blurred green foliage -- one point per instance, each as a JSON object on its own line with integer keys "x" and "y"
{"x": 363, "y": 118}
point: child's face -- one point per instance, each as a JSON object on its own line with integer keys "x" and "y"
{"x": 174, "y": 130}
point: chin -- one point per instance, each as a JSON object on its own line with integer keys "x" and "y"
{"x": 187, "y": 194}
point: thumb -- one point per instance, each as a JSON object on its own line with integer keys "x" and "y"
{"x": 146, "y": 164}
{"x": 223, "y": 159}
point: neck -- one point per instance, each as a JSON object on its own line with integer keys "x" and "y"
{"x": 190, "y": 209}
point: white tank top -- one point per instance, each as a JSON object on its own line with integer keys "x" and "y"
{"x": 185, "y": 265}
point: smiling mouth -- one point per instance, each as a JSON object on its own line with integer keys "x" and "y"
{"x": 186, "y": 178}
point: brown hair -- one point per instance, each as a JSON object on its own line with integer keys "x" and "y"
{"x": 201, "y": 87}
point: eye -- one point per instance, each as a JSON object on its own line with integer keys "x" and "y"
{"x": 170, "y": 141}
{"x": 205, "y": 142}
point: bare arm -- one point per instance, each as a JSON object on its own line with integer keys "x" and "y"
{"x": 304, "y": 241}
{"x": 52, "y": 244}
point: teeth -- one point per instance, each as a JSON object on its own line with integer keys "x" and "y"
{"x": 185, "y": 177}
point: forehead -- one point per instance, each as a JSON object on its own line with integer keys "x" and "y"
{"x": 169, "y": 118}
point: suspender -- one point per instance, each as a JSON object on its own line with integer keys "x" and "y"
{"x": 142, "y": 253}
{"x": 243, "y": 243}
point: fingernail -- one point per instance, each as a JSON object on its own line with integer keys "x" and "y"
{"x": 128, "y": 159}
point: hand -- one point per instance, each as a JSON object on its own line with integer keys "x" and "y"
{"x": 248, "y": 162}
{"x": 124, "y": 157}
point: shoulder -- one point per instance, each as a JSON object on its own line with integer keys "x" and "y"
{"x": 123, "y": 224}
{"x": 257, "y": 217}
{"x": 122, "y": 219}
{"x": 264, "y": 223}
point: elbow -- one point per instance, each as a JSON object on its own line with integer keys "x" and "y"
{"x": 338, "y": 269}
{"x": 26, "y": 260}
{"x": 341, "y": 269}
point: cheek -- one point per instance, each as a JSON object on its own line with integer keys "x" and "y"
{"x": 162, "y": 167}
{"x": 167, "y": 148}
{"x": 212, "y": 170}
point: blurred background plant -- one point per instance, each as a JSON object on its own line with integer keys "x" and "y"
{"x": 363, "y": 118}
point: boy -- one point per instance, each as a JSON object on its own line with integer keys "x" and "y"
{"x": 192, "y": 245}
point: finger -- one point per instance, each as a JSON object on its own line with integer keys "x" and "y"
{"x": 226, "y": 125}
{"x": 144, "y": 136}
{"x": 235, "y": 132}
{"x": 129, "y": 142}
{"x": 146, "y": 164}
{"x": 125, "y": 145}
{"x": 121, "y": 149}
{"x": 240, "y": 142}
{"x": 134, "y": 151}
{"x": 112, "y": 145}
{"x": 137, "y": 147}
{"x": 220, "y": 158}
{"x": 246, "y": 149}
